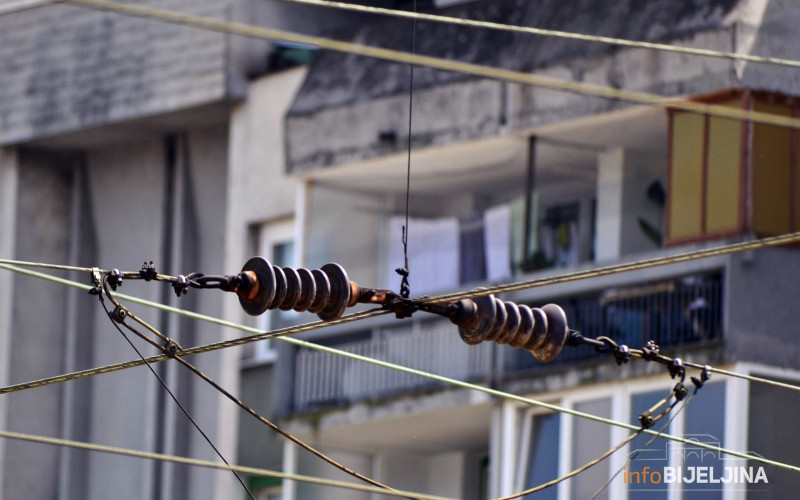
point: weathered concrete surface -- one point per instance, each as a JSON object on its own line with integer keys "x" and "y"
{"x": 36, "y": 342}
{"x": 347, "y": 100}
{"x": 64, "y": 67}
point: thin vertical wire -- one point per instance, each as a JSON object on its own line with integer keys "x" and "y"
{"x": 405, "y": 289}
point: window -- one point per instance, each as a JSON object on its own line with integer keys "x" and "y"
{"x": 276, "y": 244}
{"x": 540, "y": 453}
{"x": 551, "y": 444}
{"x": 590, "y": 439}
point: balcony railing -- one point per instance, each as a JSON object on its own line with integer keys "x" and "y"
{"x": 682, "y": 311}
{"x": 324, "y": 379}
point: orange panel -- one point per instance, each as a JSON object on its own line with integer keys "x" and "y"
{"x": 686, "y": 176}
{"x": 724, "y": 180}
{"x": 772, "y": 174}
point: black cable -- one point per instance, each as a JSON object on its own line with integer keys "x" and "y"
{"x": 174, "y": 398}
{"x": 649, "y": 442}
{"x": 405, "y": 287}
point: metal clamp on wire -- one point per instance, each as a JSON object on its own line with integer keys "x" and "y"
{"x": 119, "y": 314}
{"x": 650, "y": 351}
{"x": 171, "y": 348}
{"x": 114, "y": 278}
{"x": 181, "y": 285}
{"x": 97, "y": 280}
{"x": 676, "y": 369}
{"x": 622, "y": 354}
{"x": 148, "y": 271}
{"x": 705, "y": 376}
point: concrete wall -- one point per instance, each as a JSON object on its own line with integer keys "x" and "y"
{"x": 66, "y": 67}
{"x": 344, "y": 228}
{"x": 161, "y": 199}
{"x": 258, "y": 192}
{"x": 35, "y": 337}
{"x": 9, "y": 173}
{"x": 761, "y": 321}
{"x": 462, "y": 111}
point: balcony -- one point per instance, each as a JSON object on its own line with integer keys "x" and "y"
{"x": 324, "y": 379}
{"x": 671, "y": 313}
{"x": 682, "y": 311}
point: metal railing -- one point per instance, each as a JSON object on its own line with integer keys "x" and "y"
{"x": 681, "y": 311}
{"x": 324, "y": 379}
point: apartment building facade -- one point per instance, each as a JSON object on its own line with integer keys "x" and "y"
{"x": 126, "y": 140}
{"x": 513, "y": 183}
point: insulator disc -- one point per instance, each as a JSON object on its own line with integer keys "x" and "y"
{"x": 265, "y": 282}
{"x": 539, "y": 334}
{"x": 557, "y": 331}
{"x": 484, "y": 319}
{"x": 293, "y": 289}
{"x": 525, "y": 330}
{"x": 280, "y": 287}
{"x": 323, "y": 291}
{"x": 499, "y": 320}
{"x": 308, "y": 290}
{"x": 340, "y": 292}
{"x": 513, "y": 320}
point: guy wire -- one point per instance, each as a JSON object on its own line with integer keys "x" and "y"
{"x": 177, "y": 356}
{"x": 172, "y": 395}
{"x": 478, "y": 70}
{"x": 658, "y": 47}
{"x": 214, "y": 465}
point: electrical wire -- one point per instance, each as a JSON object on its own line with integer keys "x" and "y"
{"x": 405, "y": 287}
{"x": 645, "y": 446}
{"x": 283, "y": 333}
{"x": 716, "y": 251}
{"x": 14, "y": 6}
{"x": 310, "y": 345}
{"x": 658, "y": 47}
{"x": 442, "y": 64}
{"x": 214, "y": 465}
{"x": 44, "y": 265}
{"x": 174, "y": 398}
{"x": 121, "y": 313}
{"x": 258, "y": 335}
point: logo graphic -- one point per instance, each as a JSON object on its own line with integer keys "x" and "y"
{"x": 693, "y": 466}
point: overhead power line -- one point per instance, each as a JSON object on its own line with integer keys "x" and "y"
{"x": 443, "y": 64}
{"x": 10, "y": 6}
{"x": 215, "y": 465}
{"x": 621, "y": 42}
{"x": 283, "y": 335}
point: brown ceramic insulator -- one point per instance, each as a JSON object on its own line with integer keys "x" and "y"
{"x": 485, "y": 312}
{"x": 323, "y": 286}
{"x": 260, "y": 293}
{"x": 525, "y": 330}
{"x": 293, "y": 289}
{"x": 499, "y": 321}
{"x": 513, "y": 320}
{"x": 280, "y": 287}
{"x": 308, "y": 290}
{"x": 539, "y": 334}
{"x": 557, "y": 332}
{"x": 340, "y": 292}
